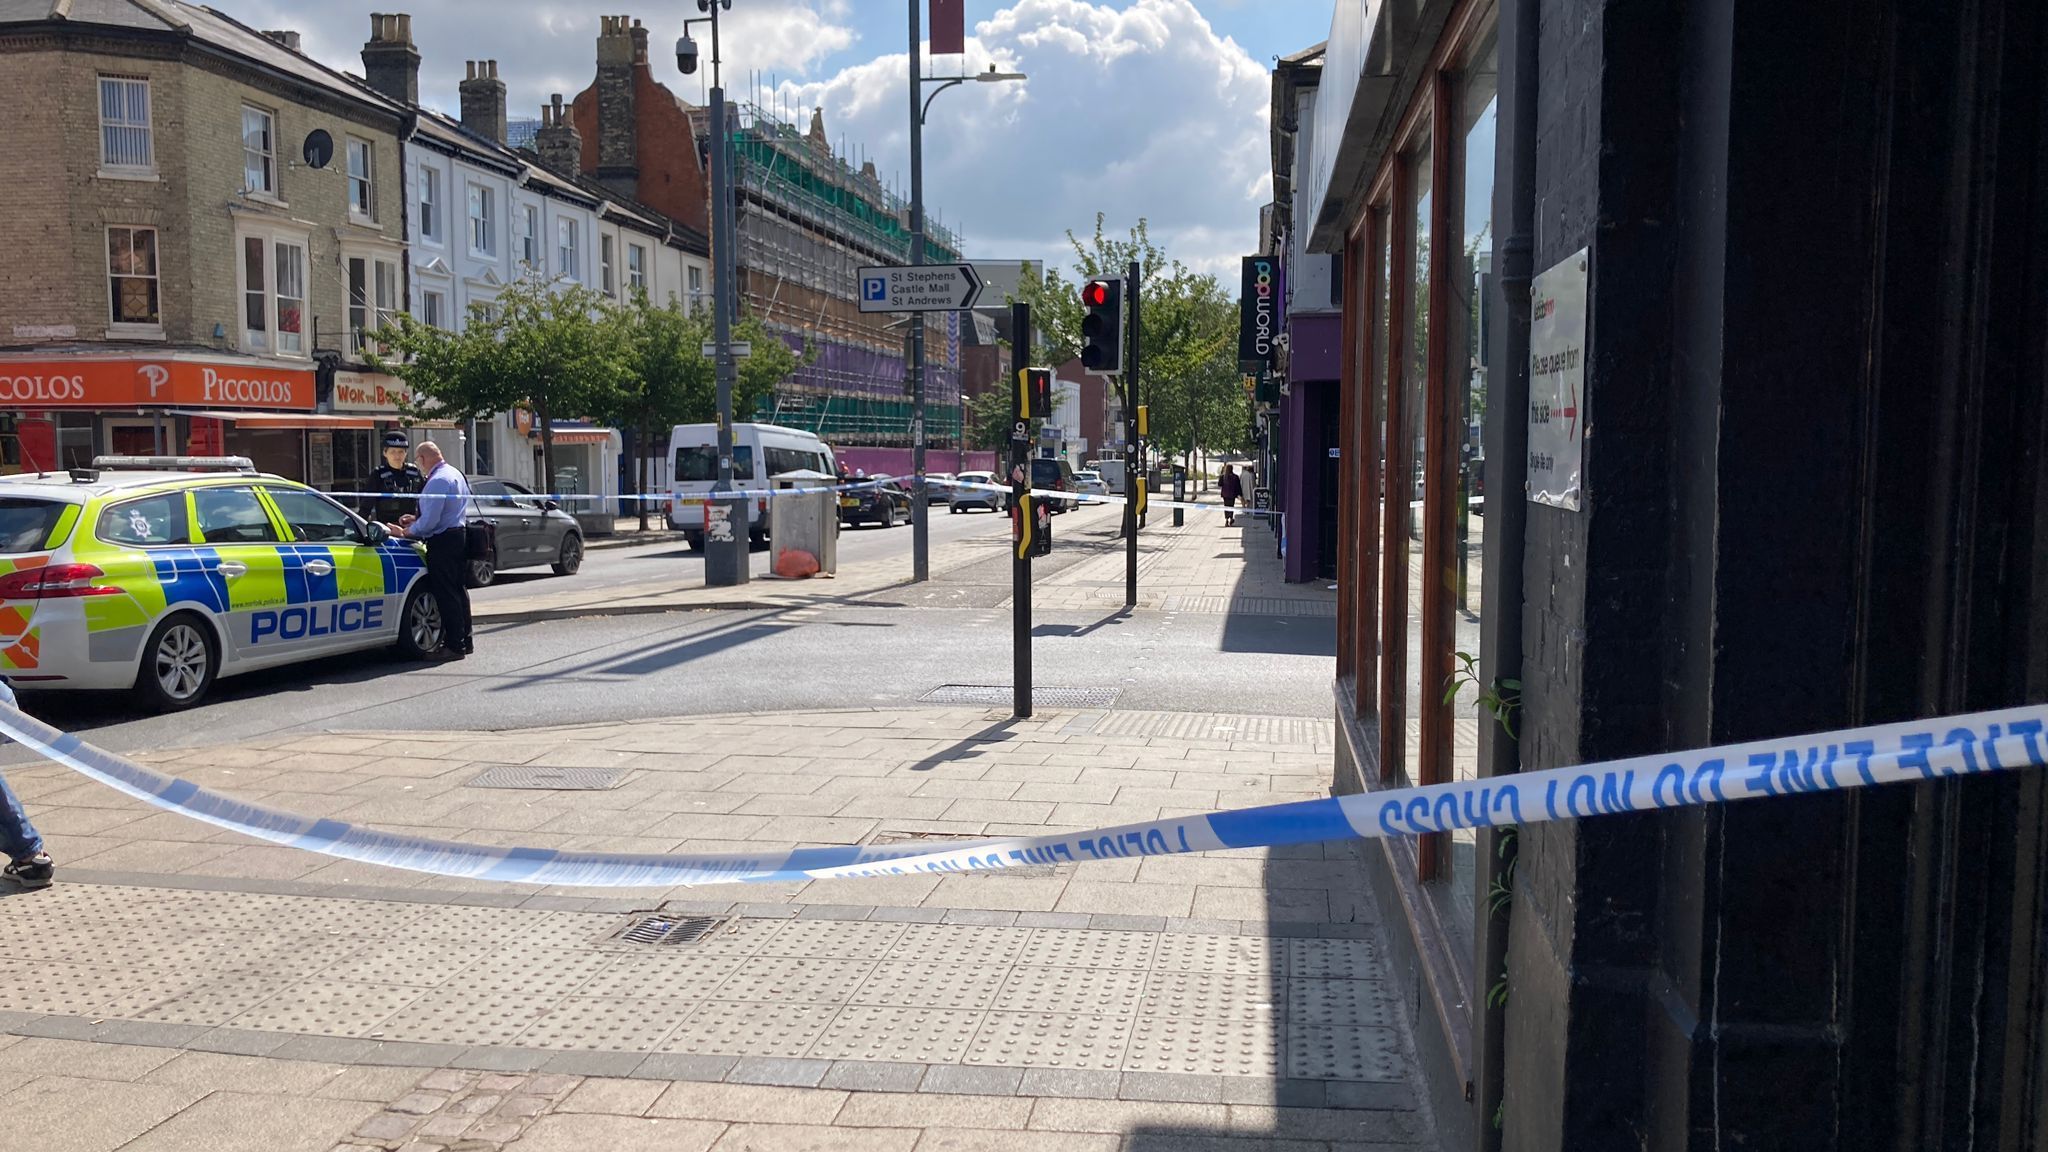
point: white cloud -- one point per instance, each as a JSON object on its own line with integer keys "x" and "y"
{"x": 1141, "y": 111}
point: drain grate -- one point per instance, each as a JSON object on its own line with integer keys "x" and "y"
{"x": 1004, "y": 694}
{"x": 661, "y": 931}
{"x": 552, "y": 779}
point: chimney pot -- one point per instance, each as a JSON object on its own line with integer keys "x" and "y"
{"x": 391, "y": 64}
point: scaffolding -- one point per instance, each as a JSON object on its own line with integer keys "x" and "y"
{"x": 807, "y": 221}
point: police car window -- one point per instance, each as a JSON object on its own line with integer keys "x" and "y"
{"x": 25, "y": 524}
{"x": 312, "y": 519}
{"x": 151, "y": 520}
{"x": 232, "y": 516}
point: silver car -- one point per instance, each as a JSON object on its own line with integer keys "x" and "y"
{"x": 963, "y": 498}
{"x": 531, "y": 530}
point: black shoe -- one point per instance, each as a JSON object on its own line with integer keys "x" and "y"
{"x": 31, "y": 872}
{"x": 448, "y": 655}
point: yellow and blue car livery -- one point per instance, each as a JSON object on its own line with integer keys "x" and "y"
{"x": 164, "y": 581}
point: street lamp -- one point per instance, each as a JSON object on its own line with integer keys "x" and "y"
{"x": 920, "y": 105}
{"x": 725, "y": 557}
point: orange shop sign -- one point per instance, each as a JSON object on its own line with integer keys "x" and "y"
{"x": 152, "y": 383}
{"x": 372, "y": 392}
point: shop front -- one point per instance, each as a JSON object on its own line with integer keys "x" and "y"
{"x": 586, "y": 473}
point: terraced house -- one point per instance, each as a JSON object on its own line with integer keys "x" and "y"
{"x": 200, "y": 217}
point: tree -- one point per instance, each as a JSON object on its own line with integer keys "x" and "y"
{"x": 544, "y": 345}
{"x": 1187, "y": 337}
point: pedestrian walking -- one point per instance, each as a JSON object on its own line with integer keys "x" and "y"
{"x": 1233, "y": 491}
{"x": 442, "y": 525}
{"x": 27, "y": 864}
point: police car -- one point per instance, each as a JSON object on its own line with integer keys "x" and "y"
{"x": 164, "y": 573}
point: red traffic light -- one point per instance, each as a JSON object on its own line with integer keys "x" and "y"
{"x": 1095, "y": 293}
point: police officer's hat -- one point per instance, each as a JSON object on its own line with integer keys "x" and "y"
{"x": 396, "y": 440}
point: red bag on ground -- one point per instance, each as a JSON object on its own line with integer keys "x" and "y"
{"x": 794, "y": 564}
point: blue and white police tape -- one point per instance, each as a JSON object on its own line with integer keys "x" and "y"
{"x": 1833, "y": 761}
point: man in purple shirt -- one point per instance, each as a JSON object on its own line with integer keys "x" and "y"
{"x": 444, "y": 506}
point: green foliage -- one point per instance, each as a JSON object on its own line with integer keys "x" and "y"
{"x": 1187, "y": 337}
{"x": 988, "y": 420}
{"x": 1501, "y": 701}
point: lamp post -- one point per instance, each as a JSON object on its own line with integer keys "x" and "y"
{"x": 920, "y": 106}
{"x": 725, "y": 556}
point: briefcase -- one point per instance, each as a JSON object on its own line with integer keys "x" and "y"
{"x": 479, "y": 539}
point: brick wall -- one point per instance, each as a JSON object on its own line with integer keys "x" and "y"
{"x": 671, "y": 179}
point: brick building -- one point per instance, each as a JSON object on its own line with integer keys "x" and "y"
{"x": 806, "y": 220}
{"x": 182, "y": 270}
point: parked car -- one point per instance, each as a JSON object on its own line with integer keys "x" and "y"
{"x": 1057, "y": 476}
{"x": 966, "y": 499}
{"x": 1090, "y": 484}
{"x": 880, "y": 500}
{"x": 531, "y": 530}
{"x": 938, "y": 487}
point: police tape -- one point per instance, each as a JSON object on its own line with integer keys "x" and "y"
{"x": 1958, "y": 746}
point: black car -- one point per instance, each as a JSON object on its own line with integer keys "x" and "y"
{"x": 531, "y": 530}
{"x": 878, "y": 500}
{"x": 1056, "y": 476}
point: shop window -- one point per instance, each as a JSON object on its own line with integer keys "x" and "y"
{"x": 132, "y": 282}
{"x": 1407, "y": 459}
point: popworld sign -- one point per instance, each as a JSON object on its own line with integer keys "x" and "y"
{"x": 1258, "y": 310}
{"x": 1853, "y": 758}
{"x": 149, "y": 383}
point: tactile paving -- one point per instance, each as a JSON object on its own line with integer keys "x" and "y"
{"x": 732, "y": 1028}
{"x": 1340, "y": 1003}
{"x": 1189, "y": 953}
{"x": 1087, "y": 991}
{"x": 928, "y": 985}
{"x": 796, "y": 979}
{"x": 61, "y": 988}
{"x": 327, "y": 1009}
{"x": 451, "y": 1016}
{"x": 217, "y": 1002}
{"x": 1343, "y": 1053}
{"x": 742, "y": 936}
{"x": 426, "y": 963}
{"x": 1050, "y": 1040}
{"x": 1214, "y": 995}
{"x": 1333, "y": 960}
{"x": 538, "y": 974}
{"x": 865, "y": 1032}
{"x": 1213, "y": 1047}
{"x": 606, "y": 1023}
{"x": 1085, "y": 948}
{"x": 469, "y": 924}
{"x": 964, "y": 945}
{"x": 850, "y": 939}
{"x": 672, "y": 975}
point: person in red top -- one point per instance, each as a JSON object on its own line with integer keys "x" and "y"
{"x": 1233, "y": 491}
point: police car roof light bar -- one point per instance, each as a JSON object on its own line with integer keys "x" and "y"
{"x": 174, "y": 463}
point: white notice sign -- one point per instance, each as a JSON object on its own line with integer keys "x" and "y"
{"x": 1557, "y": 383}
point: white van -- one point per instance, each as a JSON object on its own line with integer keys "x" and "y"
{"x": 759, "y": 452}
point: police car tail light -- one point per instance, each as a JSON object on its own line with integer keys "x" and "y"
{"x": 54, "y": 581}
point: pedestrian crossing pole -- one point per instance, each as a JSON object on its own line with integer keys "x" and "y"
{"x": 1134, "y": 450}
{"x": 1021, "y": 511}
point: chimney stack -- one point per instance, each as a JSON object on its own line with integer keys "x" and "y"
{"x": 390, "y": 63}
{"x": 621, "y": 57}
{"x": 483, "y": 100}
{"x": 557, "y": 142}
{"x": 285, "y": 37}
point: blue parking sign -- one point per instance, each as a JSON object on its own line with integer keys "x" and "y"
{"x": 874, "y": 288}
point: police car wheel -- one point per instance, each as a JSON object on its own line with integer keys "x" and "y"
{"x": 178, "y": 664}
{"x": 419, "y": 630}
{"x": 571, "y": 558}
{"x": 482, "y": 572}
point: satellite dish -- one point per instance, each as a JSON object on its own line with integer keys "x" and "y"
{"x": 319, "y": 148}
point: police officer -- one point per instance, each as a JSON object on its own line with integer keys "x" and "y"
{"x": 398, "y": 482}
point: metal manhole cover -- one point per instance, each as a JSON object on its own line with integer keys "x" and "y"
{"x": 1004, "y": 694}
{"x": 555, "y": 779}
{"x": 660, "y": 931}
{"x": 938, "y": 840}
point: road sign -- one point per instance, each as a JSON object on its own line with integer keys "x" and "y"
{"x": 919, "y": 288}
{"x": 741, "y": 349}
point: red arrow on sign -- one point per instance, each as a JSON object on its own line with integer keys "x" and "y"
{"x": 1572, "y": 413}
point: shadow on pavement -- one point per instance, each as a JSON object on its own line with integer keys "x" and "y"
{"x": 1074, "y": 631}
{"x": 967, "y": 748}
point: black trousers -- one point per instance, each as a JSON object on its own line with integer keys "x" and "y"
{"x": 447, "y": 569}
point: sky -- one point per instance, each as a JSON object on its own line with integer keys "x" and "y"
{"x": 1135, "y": 108}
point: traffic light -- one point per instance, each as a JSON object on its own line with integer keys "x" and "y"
{"x": 1102, "y": 327}
{"x": 1033, "y": 397}
{"x": 1144, "y": 420}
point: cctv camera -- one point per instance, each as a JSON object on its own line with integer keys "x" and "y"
{"x": 686, "y": 54}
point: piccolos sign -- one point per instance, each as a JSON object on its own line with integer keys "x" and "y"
{"x": 151, "y": 383}
{"x": 1258, "y": 311}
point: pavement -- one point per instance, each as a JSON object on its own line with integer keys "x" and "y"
{"x": 186, "y": 987}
